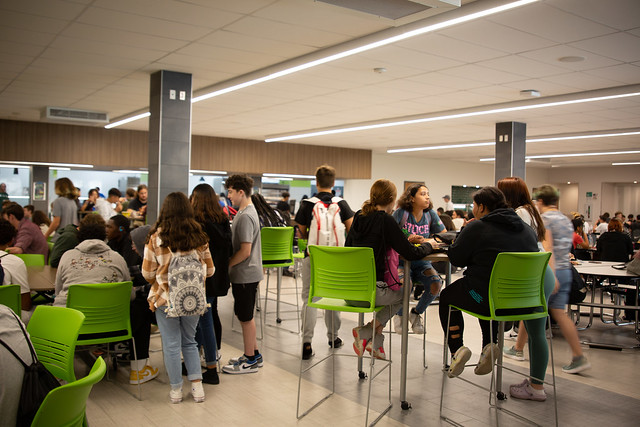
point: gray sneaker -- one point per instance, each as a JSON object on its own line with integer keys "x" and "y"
{"x": 513, "y": 353}
{"x": 577, "y": 365}
{"x": 462, "y": 356}
{"x": 416, "y": 323}
{"x": 486, "y": 362}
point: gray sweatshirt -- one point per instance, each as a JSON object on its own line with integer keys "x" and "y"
{"x": 92, "y": 261}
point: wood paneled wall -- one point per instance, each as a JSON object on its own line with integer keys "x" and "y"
{"x": 125, "y": 149}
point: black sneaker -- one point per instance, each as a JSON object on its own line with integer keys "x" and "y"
{"x": 336, "y": 344}
{"x": 417, "y": 291}
{"x": 210, "y": 376}
{"x": 307, "y": 351}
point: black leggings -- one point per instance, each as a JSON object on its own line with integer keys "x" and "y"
{"x": 462, "y": 295}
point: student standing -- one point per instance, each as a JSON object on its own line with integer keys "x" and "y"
{"x": 324, "y": 219}
{"x": 245, "y": 271}
{"x": 176, "y": 233}
{"x": 65, "y": 208}
{"x": 215, "y": 223}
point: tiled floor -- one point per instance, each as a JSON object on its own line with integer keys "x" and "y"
{"x": 608, "y": 394}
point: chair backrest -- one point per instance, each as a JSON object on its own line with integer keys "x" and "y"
{"x": 66, "y": 405}
{"x": 277, "y": 246}
{"x": 302, "y": 245}
{"x": 50, "y": 244}
{"x": 516, "y": 287}
{"x": 54, "y": 332}
{"x": 32, "y": 260}
{"x": 10, "y": 296}
{"x": 343, "y": 273}
{"x": 106, "y": 310}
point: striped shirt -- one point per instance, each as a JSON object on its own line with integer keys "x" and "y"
{"x": 155, "y": 268}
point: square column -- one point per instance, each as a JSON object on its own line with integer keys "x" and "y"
{"x": 510, "y": 150}
{"x": 169, "y": 137}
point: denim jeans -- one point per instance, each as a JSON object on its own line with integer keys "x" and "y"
{"x": 418, "y": 268}
{"x": 178, "y": 333}
{"x": 206, "y": 334}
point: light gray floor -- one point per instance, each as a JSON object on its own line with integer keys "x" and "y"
{"x": 608, "y": 394}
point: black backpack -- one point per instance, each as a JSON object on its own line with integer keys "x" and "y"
{"x": 36, "y": 384}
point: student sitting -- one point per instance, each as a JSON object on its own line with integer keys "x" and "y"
{"x": 374, "y": 227}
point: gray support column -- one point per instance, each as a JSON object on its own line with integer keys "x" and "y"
{"x": 40, "y": 174}
{"x": 510, "y": 150}
{"x": 169, "y": 137}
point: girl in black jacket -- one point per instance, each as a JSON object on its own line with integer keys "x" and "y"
{"x": 374, "y": 227}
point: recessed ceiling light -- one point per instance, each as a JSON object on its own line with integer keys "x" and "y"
{"x": 572, "y": 58}
{"x": 380, "y": 70}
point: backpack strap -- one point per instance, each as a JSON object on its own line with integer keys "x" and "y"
{"x": 14, "y": 353}
{"x": 405, "y": 217}
{"x": 26, "y": 337}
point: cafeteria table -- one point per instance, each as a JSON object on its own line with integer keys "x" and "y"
{"x": 613, "y": 271}
{"x": 42, "y": 281}
{"x": 435, "y": 257}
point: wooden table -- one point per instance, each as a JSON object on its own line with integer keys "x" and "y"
{"x": 42, "y": 281}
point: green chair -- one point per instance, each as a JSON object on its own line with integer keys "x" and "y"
{"x": 338, "y": 275}
{"x": 66, "y": 405}
{"x": 50, "y": 244}
{"x": 32, "y": 260}
{"x": 516, "y": 292}
{"x": 106, "y": 310}
{"x": 277, "y": 252}
{"x": 10, "y": 296}
{"x": 54, "y": 332}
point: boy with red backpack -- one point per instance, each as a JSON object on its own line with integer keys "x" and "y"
{"x": 325, "y": 220}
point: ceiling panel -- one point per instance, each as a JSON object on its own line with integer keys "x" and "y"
{"x": 99, "y": 54}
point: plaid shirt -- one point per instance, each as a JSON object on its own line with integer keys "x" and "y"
{"x": 155, "y": 268}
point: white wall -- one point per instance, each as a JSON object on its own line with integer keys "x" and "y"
{"x": 603, "y": 182}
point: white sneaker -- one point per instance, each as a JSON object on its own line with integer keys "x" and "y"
{"x": 397, "y": 323}
{"x": 486, "y": 362}
{"x": 197, "y": 391}
{"x": 175, "y": 395}
{"x": 511, "y": 334}
{"x": 416, "y": 323}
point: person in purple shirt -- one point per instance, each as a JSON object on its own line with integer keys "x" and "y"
{"x": 29, "y": 239}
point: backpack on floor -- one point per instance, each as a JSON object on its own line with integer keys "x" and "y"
{"x": 187, "y": 293}
{"x": 326, "y": 227}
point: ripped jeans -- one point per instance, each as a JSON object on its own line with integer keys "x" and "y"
{"x": 417, "y": 275}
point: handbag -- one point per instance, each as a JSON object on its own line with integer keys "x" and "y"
{"x": 634, "y": 266}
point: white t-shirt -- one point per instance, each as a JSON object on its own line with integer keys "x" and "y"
{"x": 15, "y": 272}
{"x": 602, "y": 228}
{"x": 528, "y": 219}
{"x": 105, "y": 209}
{"x": 458, "y": 222}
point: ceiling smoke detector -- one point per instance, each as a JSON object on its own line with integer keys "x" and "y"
{"x": 530, "y": 93}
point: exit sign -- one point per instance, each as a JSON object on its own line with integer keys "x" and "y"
{"x": 589, "y": 194}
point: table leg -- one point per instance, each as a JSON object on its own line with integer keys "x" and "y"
{"x": 405, "y": 335}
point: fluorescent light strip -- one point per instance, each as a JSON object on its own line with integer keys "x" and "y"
{"x": 70, "y": 165}
{"x": 128, "y": 120}
{"x": 555, "y": 156}
{"x": 344, "y": 54}
{"x": 483, "y": 144}
{"x": 57, "y": 168}
{"x": 366, "y": 47}
{"x": 196, "y": 171}
{"x": 625, "y": 164}
{"x": 447, "y": 117}
{"x": 10, "y": 166}
{"x": 286, "y": 175}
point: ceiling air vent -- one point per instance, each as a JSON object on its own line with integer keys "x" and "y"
{"x": 399, "y": 11}
{"x": 73, "y": 115}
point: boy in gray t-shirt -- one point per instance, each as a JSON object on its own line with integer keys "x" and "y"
{"x": 245, "y": 271}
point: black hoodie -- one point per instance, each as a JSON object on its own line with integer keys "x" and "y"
{"x": 480, "y": 242}
{"x": 380, "y": 232}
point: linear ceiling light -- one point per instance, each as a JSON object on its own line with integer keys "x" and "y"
{"x": 197, "y": 171}
{"x": 286, "y": 175}
{"x": 70, "y": 165}
{"x": 348, "y": 52}
{"x": 491, "y": 143}
{"x": 412, "y": 121}
{"x": 128, "y": 120}
{"x": 129, "y": 171}
{"x": 555, "y": 156}
{"x": 625, "y": 164}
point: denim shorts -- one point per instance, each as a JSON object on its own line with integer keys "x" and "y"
{"x": 561, "y": 298}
